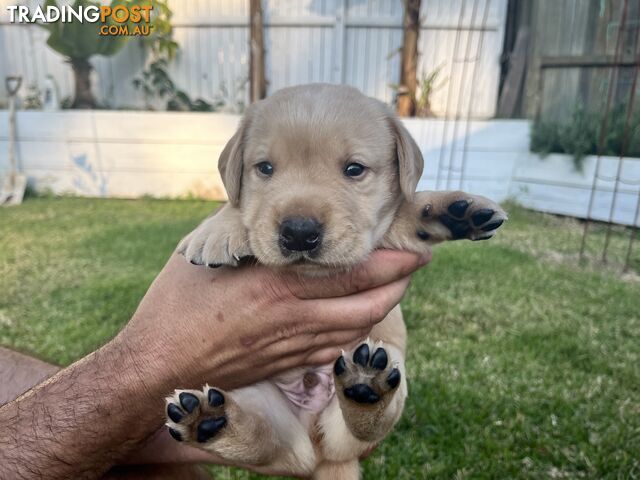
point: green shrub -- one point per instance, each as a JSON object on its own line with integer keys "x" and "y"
{"x": 580, "y": 136}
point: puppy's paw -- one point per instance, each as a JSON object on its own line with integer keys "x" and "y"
{"x": 212, "y": 420}
{"x": 367, "y": 380}
{"x": 196, "y": 416}
{"x": 434, "y": 217}
{"x": 367, "y": 375}
{"x": 219, "y": 240}
{"x": 465, "y": 216}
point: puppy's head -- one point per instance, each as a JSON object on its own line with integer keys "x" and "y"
{"x": 318, "y": 172}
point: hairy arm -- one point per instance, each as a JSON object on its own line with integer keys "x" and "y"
{"x": 85, "y": 418}
{"x": 230, "y": 327}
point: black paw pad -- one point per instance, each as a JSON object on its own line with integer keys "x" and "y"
{"x": 394, "y": 378}
{"x": 175, "y": 434}
{"x": 458, "y": 208}
{"x": 380, "y": 359}
{"x": 361, "y": 355}
{"x": 193, "y": 262}
{"x": 215, "y": 397}
{"x": 361, "y": 393}
{"x": 459, "y": 229}
{"x": 492, "y": 226}
{"x": 340, "y": 366}
{"x": 422, "y": 235}
{"x": 174, "y": 412}
{"x": 214, "y": 265}
{"x": 209, "y": 427}
{"x": 482, "y": 216}
{"x": 188, "y": 401}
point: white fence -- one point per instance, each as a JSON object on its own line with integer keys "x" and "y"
{"x": 336, "y": 41}
{"x": 553, "y": 185}
{"x": 121, "y": 154}
{"x": 130, "y": 154}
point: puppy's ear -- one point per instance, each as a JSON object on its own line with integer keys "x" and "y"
{"x": 410, "y": 161}
{"x": 230, "y": 163}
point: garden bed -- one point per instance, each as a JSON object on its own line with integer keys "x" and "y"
{"x": 554, "y": 185}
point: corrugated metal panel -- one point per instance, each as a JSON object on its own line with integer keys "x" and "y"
{"x": 340, "y": 41}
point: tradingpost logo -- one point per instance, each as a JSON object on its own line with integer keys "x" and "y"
{"x": 120, "y": 19}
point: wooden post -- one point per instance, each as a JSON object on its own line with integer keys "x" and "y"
{"x": 409, "y": 61}
{"x": 257, "y": 80}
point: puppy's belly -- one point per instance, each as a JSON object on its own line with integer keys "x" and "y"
{"x": 309, "y": 390}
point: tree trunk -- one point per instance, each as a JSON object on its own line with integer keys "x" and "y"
{"x": 409, "y": 62}
{"x": 83, "y": 97}
{"x": 257, "y": 81}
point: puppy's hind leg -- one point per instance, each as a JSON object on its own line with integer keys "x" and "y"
{"x": 349, "y": 470}
{"x": 370, "y": 394}
{"x": 251, "y": 426}
{"x": 371, "y": 389}
{"x": 212, "y": 420}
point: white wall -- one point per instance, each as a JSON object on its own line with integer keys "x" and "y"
{"x": 337, "y": 41}
{"x": 130, "y": 154}
{"x": 121, "y": 154}
{"x": 554, "y": 185}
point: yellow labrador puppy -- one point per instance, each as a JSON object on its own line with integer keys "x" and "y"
{"x": 317, "y": 177}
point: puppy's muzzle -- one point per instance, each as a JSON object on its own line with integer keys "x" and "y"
{"x": 298, "y": 234}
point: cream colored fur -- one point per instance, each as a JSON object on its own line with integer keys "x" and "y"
{"x": 309, "y": 134}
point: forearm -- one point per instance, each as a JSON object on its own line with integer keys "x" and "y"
{"x": 84, "y": 419}
{"x": 194, "y": 325}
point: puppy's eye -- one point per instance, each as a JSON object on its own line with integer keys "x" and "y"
{"x": 354, "y": 170}
{"x": 265, "y": 168}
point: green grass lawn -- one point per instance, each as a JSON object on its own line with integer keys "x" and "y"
{"x": 522, "y": 364}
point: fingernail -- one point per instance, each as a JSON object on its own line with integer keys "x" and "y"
{"x": 424, "y": 259}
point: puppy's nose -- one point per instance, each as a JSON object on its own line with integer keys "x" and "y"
{"x": 300, "y": 234}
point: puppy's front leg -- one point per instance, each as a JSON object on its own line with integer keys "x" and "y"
{"x": 434, "y": 217}
{"x": 221, "y": 239}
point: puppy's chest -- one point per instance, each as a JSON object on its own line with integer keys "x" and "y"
{"x": 310, "y": 389}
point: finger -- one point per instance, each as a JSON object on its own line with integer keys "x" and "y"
{"x": 294, "y": 361}
{"x": 360, "y": 310}
{"x": 302, "y": 355}
{"x": 323, "y": 356}
{"x": 340, "y": 338}
{"x": 382, "y": 267}
{"x": 309, "y": 342}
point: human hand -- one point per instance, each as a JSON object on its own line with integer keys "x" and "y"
{"x": 235, "y": 326}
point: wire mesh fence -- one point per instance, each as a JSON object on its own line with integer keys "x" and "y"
{"x": 594, "y": 66}
{"x": 603, "y": 237}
